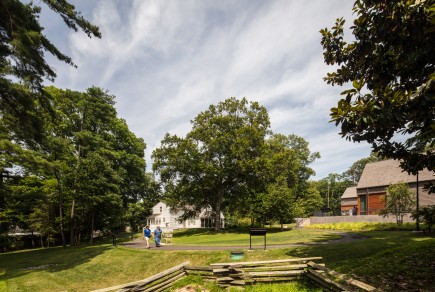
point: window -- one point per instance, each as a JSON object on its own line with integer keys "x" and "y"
{"x": 363, "y": 205}
{"x": 161, "y": 209}
{"x": 163, "y": 220}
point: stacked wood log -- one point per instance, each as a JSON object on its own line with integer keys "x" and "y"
{"x": 206, "y": 272}
{"x": 250, "y": 273}
{"x": 334, "y": 281}
{"x": 156, "y": 283}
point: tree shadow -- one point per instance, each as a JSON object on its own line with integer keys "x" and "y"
{"x": 53, "y": 259}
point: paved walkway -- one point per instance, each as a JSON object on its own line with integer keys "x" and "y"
{"x": 140, "y": 244}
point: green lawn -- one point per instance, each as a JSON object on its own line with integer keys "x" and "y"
{"x": 391, "y": 260}
{"x": 201, "y": 237}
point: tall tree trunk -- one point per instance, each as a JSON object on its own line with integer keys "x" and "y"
{"x": 217, "y": 223}
{"x": 74, "y": 189}
{"x": 92, "y": 226}
{"x": 62, "y": 229}
{"x": 72, "y": 224}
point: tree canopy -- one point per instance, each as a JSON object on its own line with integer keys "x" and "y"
{"x": 399, "y": 201}
{"x": 215, "y": 163}
{"x": 22, "y": 61}
{"x": 232, "y": 162}
{"x": 86, "y": 173}
{"x": 391, "y": 65}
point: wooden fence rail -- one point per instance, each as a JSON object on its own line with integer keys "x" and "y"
{"x": 158, "y": 282}
{"x": 322, "y": 275}
{"x": 250, "y": 273}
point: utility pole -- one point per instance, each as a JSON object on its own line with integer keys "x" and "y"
{"x": 328, "y": 192}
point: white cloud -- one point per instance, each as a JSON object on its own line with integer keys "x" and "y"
{"x": 166, "y": 61}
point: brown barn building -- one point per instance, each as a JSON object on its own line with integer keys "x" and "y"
{"x": 349, "y": 199}
{"x": 377, "y": 176}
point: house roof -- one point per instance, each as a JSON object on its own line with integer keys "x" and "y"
{"x": 350, "y": 192}
{"x": 386, "y": 172}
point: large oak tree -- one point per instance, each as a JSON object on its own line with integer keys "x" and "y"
{"x": 215, "y": 164}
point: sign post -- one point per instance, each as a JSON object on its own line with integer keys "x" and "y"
{"x": 257, "y": 232}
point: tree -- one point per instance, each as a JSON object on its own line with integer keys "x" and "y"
{"x": 88, "y": 166}
{"x": 304, "y": 158}
{"x": 391, "y": 64}
{"x": 310, "y": 202}
{"x": 278, "y": 201}
{"x": 23, "y": 100}
{"x": 106, "y": 160}
{"x": 214, "y": 165}
{"x": 287, "y": 157}
{"x": 22, "y": 49}
{"x": 398, "y": 201}
{"x": 426, "y": 215}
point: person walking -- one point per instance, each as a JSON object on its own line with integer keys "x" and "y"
{"x": 147, "y": 235}
{"x": 157, "y": 236}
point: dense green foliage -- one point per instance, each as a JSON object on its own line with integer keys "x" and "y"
{"x": 22, "y": 61}
{"x": 331, "y": 188}
{"x": 363, "y": 226}
{"x": 63, "y": 154}
{"x": 425, "y": 215}
{"x": 214, "y": 165}
{"x": 229, "y": 163}
{"x": 391, "y": 64}
{"x": 85, "y": 174}
{"x": 399, "y": 200}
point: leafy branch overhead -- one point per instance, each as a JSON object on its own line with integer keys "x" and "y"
{"x": 23, "y": 48}
{"x": 391, "y": 66}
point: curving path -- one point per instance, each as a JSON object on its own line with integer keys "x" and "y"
{"x": 139, "y": 243}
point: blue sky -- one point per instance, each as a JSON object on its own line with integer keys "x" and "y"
{"x": 168, "y": 60}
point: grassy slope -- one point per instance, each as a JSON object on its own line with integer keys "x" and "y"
{"x": 393, "y": 260}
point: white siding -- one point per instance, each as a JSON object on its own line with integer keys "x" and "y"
{"x": 163, "y": 217}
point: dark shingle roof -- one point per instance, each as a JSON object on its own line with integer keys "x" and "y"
{"x": 386, "y": 172}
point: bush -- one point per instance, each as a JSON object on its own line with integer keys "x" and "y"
{"x": 363, "y": 226}
{"x": 425, "y": 215}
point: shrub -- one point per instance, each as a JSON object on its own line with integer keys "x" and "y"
{"x": 425, "y": 215}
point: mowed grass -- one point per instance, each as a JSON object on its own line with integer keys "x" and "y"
{"x": 390, "y": 260}
{"x": 208, "y": 237}
{"x": 95, "y": 267}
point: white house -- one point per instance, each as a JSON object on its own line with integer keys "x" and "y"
{"x": 167, "y": 220}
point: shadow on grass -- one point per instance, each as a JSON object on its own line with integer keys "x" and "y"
{"x": 390, "y": 260}
{"x": 53, "y": 259}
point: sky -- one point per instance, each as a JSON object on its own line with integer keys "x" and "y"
{"x": 168, "y": 60}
